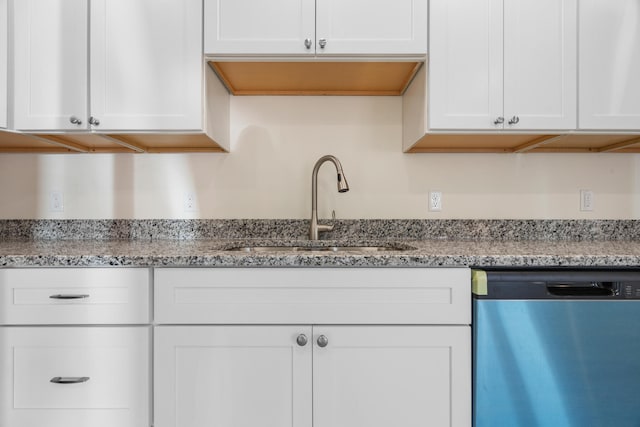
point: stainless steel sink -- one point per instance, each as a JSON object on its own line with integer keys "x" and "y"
{"x": 318, "y": 248}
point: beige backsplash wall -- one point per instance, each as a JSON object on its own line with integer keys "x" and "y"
{"x": 275, "y": 143}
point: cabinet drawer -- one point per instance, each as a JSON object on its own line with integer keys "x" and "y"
{"x": 74, "y": 296}
{"x": 313, "y": 295}
{"x": 75, "y": 376}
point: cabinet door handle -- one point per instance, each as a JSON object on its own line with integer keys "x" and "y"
{"x": 302, "y": 340}
{"x": 69, "y": 296}
{"x": 69, "y": 380}
{"x": 74, "y": 120}
{"x": 498, "y": 121}
{"x": 323, "y": 341}
{"x": 93, "y": 121}
{"x": 514, "y": 120}
{"x": 322, "y": 43}
{"x": 308, "y": 43}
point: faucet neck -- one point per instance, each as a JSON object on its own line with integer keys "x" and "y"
{"x": 314, "y": 228}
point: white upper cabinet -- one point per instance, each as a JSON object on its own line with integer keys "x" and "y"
{"x": 258, "y": 27}
{"x": 309, "y": 27}
{"x": 502, "y": 64}
{"x": 609, "y": 64}
{"x": 3, "y": 63}
{"x": 375, "y": 27}
{"x": 146, "y": 64}
{"x": 50, "y": 39}
{"x": 143, "y": 66}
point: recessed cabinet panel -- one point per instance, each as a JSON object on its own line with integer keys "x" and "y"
{"x": 74, "y": 377}
{"x": 609, "y": 43}
{"x": 146, "y": 64}
{"x": 465, "y": 64}
{"x": 4, "y": 34}
{"x": 371, "y": 27}
{"x": 327, "y": 295}
{"x": 540, "y": 64}
{"x": 258, "y": 27}
{"x": 384, "y": 376}
{"x": 232, "y": 376}
{"x": 50, "y": 64}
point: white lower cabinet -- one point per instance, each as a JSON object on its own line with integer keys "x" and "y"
{"x": 286, "y": 376}
{"x": 74, "y": 376}
{"x": 376, "y": 372}
{"x": 241, "y": 376}
{"x": 75, "y": 347}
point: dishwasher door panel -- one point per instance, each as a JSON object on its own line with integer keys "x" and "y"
{"x": 556, "y": 363}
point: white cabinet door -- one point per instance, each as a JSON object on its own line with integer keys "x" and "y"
{"x": 502, "y": 64}
{"x": 609, "y": 41}
{"x": 146, "y": 64}
{"x": 465, "y": 64}
{"x": 4, "y": 34}
{"x": 540, "y": 56}
{"x": 232, "y": 376}
{"x": 74, "y": 376}
{"x": 50, "y": 64}
{"x": 258, "y": 27}
{"x": 371, "y": 27}
{"x": 380, "y": 376}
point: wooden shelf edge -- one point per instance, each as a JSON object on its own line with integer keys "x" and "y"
{"x": 493, "y": 142}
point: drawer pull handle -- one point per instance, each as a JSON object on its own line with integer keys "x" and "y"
{"x": 69, "y": 296}
{"x": 69, "y": 380}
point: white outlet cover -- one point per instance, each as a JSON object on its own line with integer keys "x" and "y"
{"x": 435, "y": 201}
{"x": 586, "y": 200}
{"x": 189, "y": 202}
{"x": 56, "y": 199}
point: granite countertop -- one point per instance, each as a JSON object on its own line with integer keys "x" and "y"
{"x": 205, "y": 243}
{"x": 212, "y": 253}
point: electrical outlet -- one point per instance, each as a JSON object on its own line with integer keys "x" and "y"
{"x": 435, "y": 201}
{"x": 56, "y": 200}
{"x": 189, "y": 202}
{"x": 586, "y": 200}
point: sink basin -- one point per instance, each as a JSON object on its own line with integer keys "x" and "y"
{"x": 317, "y": 248}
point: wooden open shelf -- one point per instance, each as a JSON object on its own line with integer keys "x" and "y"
{"x": 16, "y": 142}
{"x": 316, "y": 78}
{"x": 575, "y": 142}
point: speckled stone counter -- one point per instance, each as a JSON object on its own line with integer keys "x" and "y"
{"x": 212, "y": 253}
{"x": 423, "y": 243}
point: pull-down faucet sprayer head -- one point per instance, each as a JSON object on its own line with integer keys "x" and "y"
{"x": 343, "y": 185}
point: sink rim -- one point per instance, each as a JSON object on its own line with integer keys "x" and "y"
{"x": 318, "y": 248}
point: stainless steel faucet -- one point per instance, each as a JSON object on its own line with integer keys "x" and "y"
{"x": 314, "y": 227}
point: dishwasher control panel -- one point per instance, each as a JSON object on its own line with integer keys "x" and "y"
{"x": 630, "y": 290}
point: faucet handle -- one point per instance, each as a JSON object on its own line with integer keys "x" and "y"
{"x": 333, "y": 215}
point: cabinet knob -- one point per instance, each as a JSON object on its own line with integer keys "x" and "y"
{"x": 498, "y": 121}
{"x": 302, "y": 340}
{"x": 323, "y": 341}
{"x": 514, "y": 120}
{"x": 93, "y": 121}
{"x": 322, "y": 43}
{"x": 74, "y": 120}
{"x": 308, "y": 43}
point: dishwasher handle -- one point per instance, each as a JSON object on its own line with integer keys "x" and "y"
{"x": 593, "y": 289}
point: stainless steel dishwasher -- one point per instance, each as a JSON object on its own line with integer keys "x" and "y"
{"x": 556, "y": 348}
